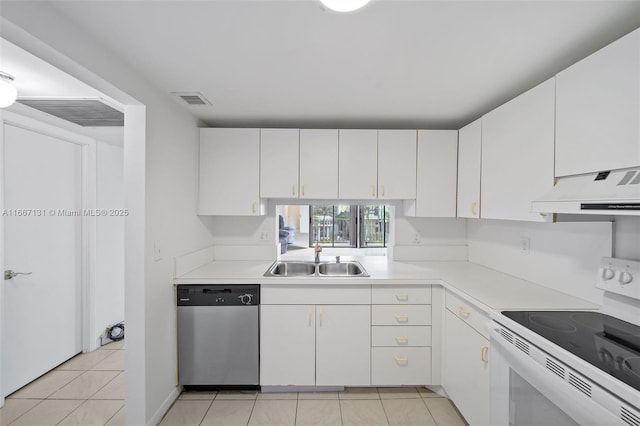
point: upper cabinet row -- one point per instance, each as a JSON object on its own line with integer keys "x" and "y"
{"x": 239, "y": 168}
{"x": 332, "y": 164}
{"x": 505, "y": 159}
{"x": 585, "y": 120}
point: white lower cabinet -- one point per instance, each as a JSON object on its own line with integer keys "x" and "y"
{"x": 315, "y": 345}
{"x": 401, "y": 335}
{"x": 465, "y": 376}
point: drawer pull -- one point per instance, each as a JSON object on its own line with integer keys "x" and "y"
{"x": 402, "y": 317}
{"x": 321, "y": 317}
{"x": 373, "y": 190}
{"x": 402, "y": 339}
{"x": 310, "y": 316}
{"x": 483, "y": 354}
{"x": 402, "y": 359}
{"x": 402, "y": 297}
{"x": 462, "y": 311}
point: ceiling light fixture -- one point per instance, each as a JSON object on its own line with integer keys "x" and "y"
{"x": 344, "y": 5}
{"x": 8, "y": 92}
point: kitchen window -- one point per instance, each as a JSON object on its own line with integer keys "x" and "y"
{"x": 355, "y": 226}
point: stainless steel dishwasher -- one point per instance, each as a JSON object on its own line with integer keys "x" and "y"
{"x": 218, "y": 335}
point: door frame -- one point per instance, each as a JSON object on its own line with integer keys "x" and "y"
{"x": 88, "y": 223}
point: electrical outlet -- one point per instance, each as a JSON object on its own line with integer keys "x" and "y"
{"x": 264, "y": 235}
{"x": 416, "y": 239}
{"x": 157, "y": 253}
{"x": 525, "y": 245}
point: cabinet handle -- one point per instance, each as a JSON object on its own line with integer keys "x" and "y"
{"x": 473, "y": 208}
{"x": 402, "y": 297}
{"x": 293, "y": 189}
{"x": 373, "y": 190}
{"x": 321, "y": 317}
{"x": 402, "y": 339}
{"x": 483, "y": 354}
{"x": 302, "y": 189}
{"x": 402, "y": 359}
{"x": 382, "y": 190}
{"x": 463, "y": 311}
{"x": 253, "y": 208}
{"x": 402, "y": 317}
{"x": 310, "y": 316}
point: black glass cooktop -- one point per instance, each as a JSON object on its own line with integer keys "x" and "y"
{"x": 606, "y": 342}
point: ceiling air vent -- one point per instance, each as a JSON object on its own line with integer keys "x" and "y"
{"x": 192, "y": 98}
{"x": 83, "y": 112}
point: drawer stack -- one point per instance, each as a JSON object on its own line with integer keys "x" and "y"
{"x": 400, "y": 335}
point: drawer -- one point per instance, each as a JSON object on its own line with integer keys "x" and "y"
{"x": 401, "y": 295}
{"x": 401, "y": 315}
{"x": 400, "y": 366}
{"x": 401, "y": 335}
{"x": 473, "y": 316}
{"x": 309, "y": 294}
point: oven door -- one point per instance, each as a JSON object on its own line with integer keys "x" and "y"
{"x": 524, "y": 393}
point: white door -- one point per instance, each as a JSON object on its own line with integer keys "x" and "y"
{"x": 469, "y": 157}
{"x": 287, "y": 345}
{"x": 42, "y": 310}
{"x": 437, "y": 173}
{"x": 397, "y": 164}
{"x": 279, "y": 158}
{"x": 358, "y": 159}
{"x": 343, "y": 345}
{"x": 319, "y": 163}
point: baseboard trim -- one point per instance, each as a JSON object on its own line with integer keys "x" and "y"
{"x": 164, "y": 407}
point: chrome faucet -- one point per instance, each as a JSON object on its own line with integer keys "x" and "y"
{"x": 318, "y": 249}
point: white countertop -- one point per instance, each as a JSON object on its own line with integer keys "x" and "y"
{"x": 489, "y": 289}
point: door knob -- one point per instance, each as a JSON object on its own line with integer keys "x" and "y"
{"x": 8, "y": 274}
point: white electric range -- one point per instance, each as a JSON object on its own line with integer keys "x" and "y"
{"x": 568, "y": 367}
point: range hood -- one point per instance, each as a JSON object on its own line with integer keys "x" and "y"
{"x": 615, "y": 192}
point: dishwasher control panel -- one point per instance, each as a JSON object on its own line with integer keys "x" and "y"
{"x": 218, "y": 295}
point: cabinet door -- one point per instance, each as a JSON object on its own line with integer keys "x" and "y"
{"x": 465, "y": 375}
{"x": 437, "y": 173}
{"x": 397, "y": 164}
{"x": 343, "y": 345}
{"x": 319, "y": 163}
{"x": 287, "y": 345}
{"x": 469, "y": 146}
{"x": 358, "y": 159}
{"x": 598, "y": 110}
{"x": 229, "y": 172}
{"x": 517, "y": 155}
{"x": 279, "y": 157}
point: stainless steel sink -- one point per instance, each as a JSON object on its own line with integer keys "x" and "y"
{"x": 348, "y": 269}
{"x": 323, "y": 269}
{"x": 291, "y": 269}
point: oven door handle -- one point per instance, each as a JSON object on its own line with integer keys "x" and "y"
{"x": 506, "y": 356}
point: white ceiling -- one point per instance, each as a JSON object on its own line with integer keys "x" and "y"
{"x": 395, "y": 63}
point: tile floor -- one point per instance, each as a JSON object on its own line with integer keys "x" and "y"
{"x": 354, "y": 406}
{"x": 86, "y": 390}
{"x": 89, "y": 390}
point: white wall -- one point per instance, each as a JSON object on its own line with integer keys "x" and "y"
{"x": 169, "y": 165}
{"x": 108, "y": 295}
{"x": 414, "y": 238}
{"x": 562, "y": 256}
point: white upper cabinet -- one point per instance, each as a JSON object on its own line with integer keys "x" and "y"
{"x": 436, "y": 173}
{"x": 598, "y": 110}
{"x": 319, "y": 163}
{"x": 518, "y": 154}
{"x": 358, "y": 159}
{"x": 230, "y": 172}
{"x": 397, "y": 164}
{"x": 279, "y": 157}
{"x": 469, "y": 158}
